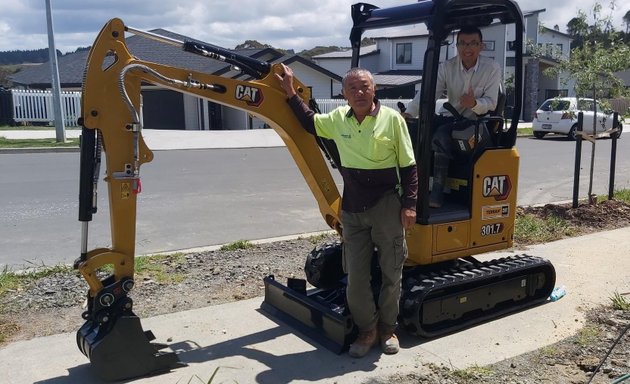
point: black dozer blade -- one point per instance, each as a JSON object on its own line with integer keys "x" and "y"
{"x": 123, "y": 350}
{"x": 316, "y": 313}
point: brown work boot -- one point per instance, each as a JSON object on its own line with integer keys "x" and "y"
{"x": 364, "y": 342}
{"x": 389, "y": 343}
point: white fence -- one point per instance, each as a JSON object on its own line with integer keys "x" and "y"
{"x": 327, "y": 105}
{"x": 37, "y": 107}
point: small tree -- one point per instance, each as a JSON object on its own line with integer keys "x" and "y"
{"x": 577, "y": 28}
{"x": 593, "y": 65}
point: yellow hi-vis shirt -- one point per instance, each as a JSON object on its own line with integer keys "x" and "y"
{"x": 371, "y": 153}
{"x": 380, "y": 141}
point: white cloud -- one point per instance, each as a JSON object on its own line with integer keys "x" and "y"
{"x": 4, "y": 27}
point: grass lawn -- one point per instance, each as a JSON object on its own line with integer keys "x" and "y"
{"x": 34, "y": 128}
{"x": 33, "y": 143}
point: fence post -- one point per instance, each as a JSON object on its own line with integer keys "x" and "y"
{"x": 613, "y": 158}
{"x": 6, "y": 107}
{"x": 578, "y": 159}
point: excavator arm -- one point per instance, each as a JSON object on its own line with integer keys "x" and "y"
{"x": 112, "y": 124}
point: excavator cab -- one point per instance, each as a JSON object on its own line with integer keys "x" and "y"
{"x": 484, "y": 155}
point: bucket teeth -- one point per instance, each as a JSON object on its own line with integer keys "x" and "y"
{"x": 123, "y": 350}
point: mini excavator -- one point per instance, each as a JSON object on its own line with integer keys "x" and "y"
{"x": 445, "y": 288}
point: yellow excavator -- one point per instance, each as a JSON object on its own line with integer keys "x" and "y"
{"x": 444, "y": 287}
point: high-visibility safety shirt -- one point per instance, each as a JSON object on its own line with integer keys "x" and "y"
{"x": 376, "y": 155}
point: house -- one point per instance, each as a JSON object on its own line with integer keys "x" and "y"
{"x": 391, "y": 81}
{"x": 397, "y": 59}
{"x": 167, "y": 109}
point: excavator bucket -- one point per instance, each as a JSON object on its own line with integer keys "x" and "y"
{"x": 123, "y": 350}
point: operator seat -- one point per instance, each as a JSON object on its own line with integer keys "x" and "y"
{"x": 496, "y": 127}
{"x": 467, "y": 148}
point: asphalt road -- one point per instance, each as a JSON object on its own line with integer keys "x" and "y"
{"x": 547, "y": 168}
{"x": 194, "y": 198}
{"x": 190, "y": 198}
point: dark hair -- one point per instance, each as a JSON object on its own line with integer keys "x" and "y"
{"x": 470, "y": 30}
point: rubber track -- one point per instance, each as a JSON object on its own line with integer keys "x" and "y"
{"x": 418, "y": 286}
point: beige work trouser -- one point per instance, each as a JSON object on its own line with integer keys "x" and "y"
{"x": 378, "y": 227}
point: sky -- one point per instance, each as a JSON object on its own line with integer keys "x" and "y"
{"x": 287, "y": 24}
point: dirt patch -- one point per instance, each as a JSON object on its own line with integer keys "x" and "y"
{"x": 585, "y": 218}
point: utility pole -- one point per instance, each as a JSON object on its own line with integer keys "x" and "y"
{"x": 60, "y": 129}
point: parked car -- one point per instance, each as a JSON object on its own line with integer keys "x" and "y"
{"x": 560, "y": 115}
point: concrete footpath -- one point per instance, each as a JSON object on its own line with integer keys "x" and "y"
{"x": 249, "y": 347}
{"x": 157, "y": 139}
{"x": 165, "y": 139}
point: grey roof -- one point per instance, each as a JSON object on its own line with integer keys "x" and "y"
{"x": 308, "y": 63}
{"x": 365, "y": 51}
{"x": 555, "y": 31}
{"x": 72, "y": 66}
{"x": 533, "y": 12}
{"x": 397, "y": 78}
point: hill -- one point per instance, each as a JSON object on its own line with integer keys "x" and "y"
{"x": 33, "y": 56}
{"x": 24, "y": 57}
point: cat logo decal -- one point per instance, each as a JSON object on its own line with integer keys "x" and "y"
{"x": 498, "y": 187}
{"x": 251, "y": 95}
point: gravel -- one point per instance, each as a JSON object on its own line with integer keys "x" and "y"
{"x": 183, "y": 281}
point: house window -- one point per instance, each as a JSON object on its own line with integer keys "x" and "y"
{"x": 550, "y": 50}
{"x": 559, "y": 49}
{"x": 510, "y": 61}
{"x": 403, "y": 53}
{"x": 488, "y": 45}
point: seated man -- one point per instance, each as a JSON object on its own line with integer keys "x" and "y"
{"x": 471, "y": 83}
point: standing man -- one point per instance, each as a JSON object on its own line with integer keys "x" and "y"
{"x": 472, "y": 84}
{"x": 379, "y": 199}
